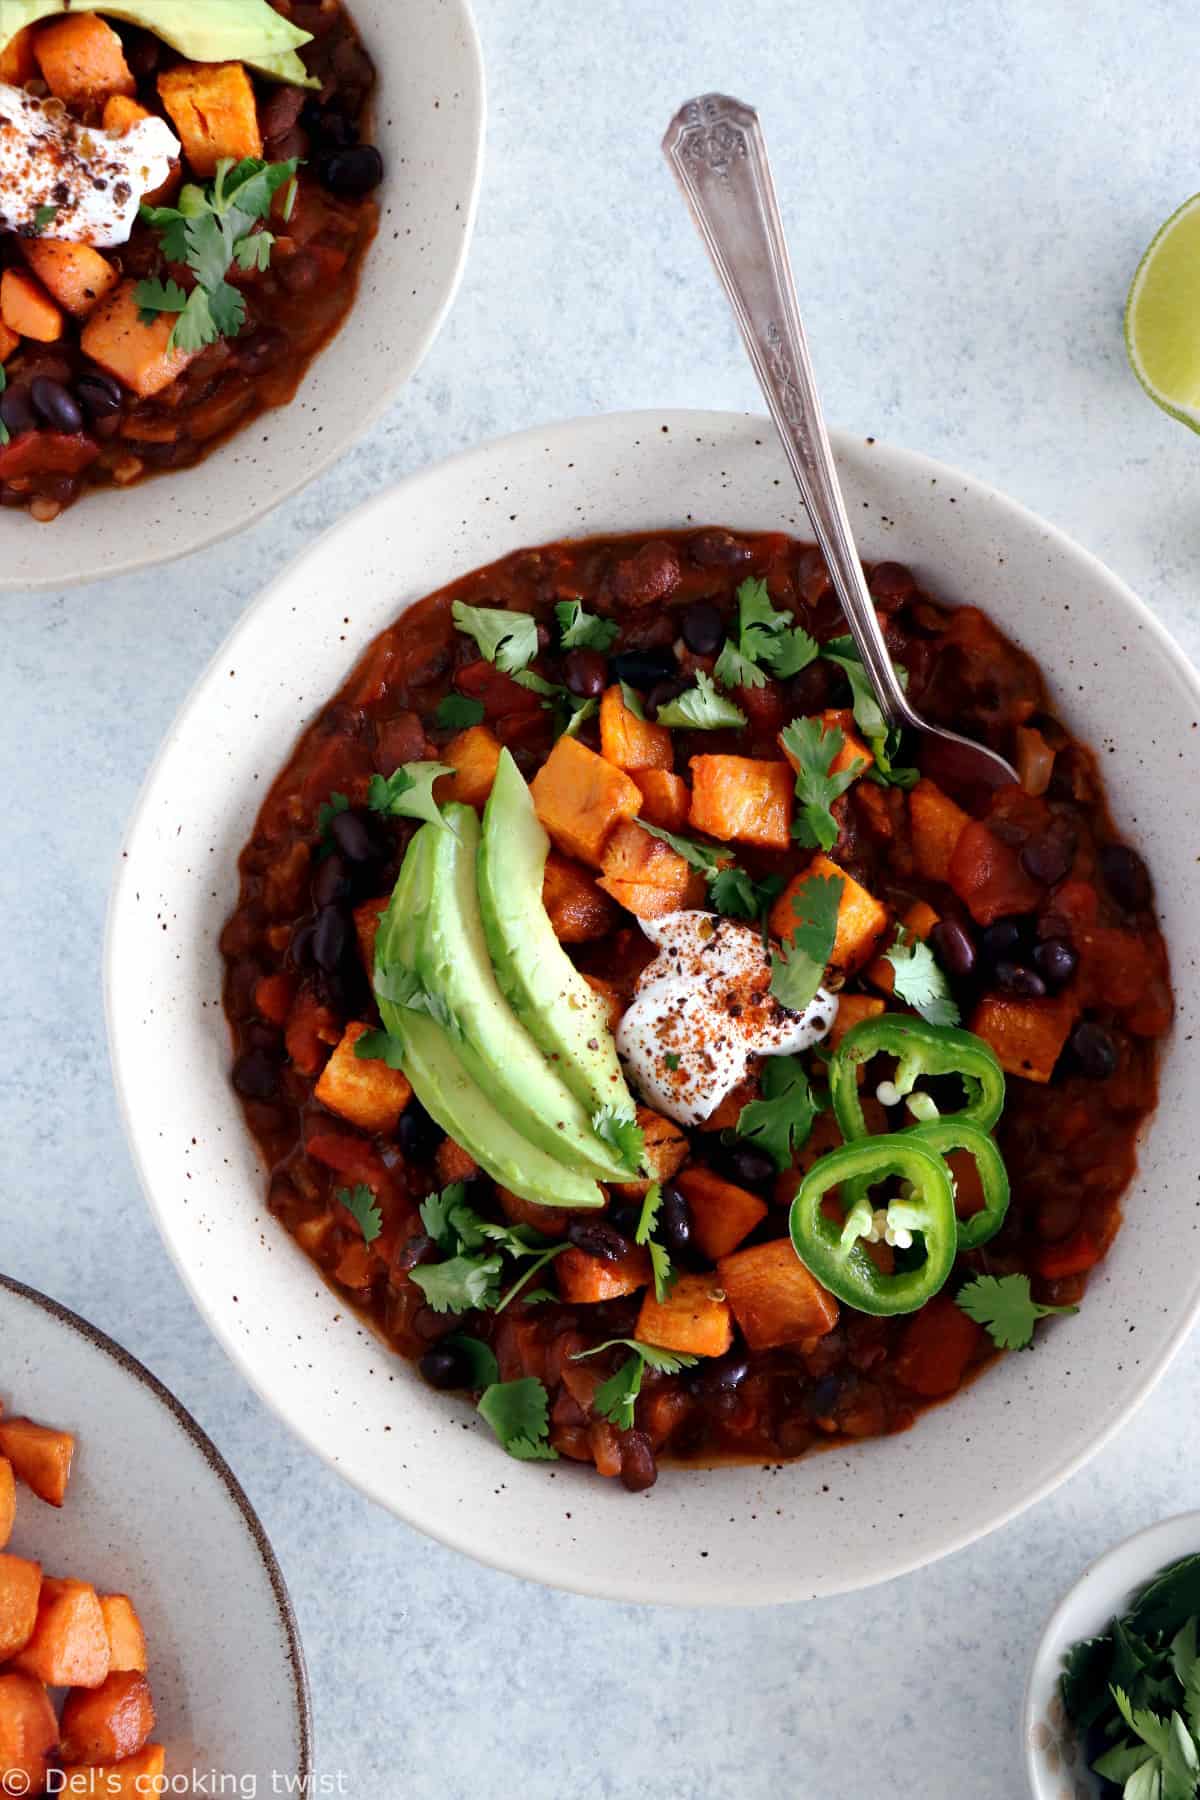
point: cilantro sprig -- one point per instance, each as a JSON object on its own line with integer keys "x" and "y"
{"x": 664, "y": 1273}
{"x": 408, "y": 792}
{"x": 616, "y": 1398}
{"x": 798, "y": 966}
{"x": 580, "y": 630}
{"x": 210, "y": 229}
{"x": 569, "y": 709}
{"x": 359, "y": 1201}
{"x": 885, "y": 740}
{"x": 621, "y": 1131}
{"x": 1006, "y": 1309}
{"x": 508, "y": 639}
{"x": 730, "y": 889}
{"x": 403, "y": 987}
{"x": 701, "y": 708}
{"x": 766, "y": 638}
{"x": 781, "y": 1121}
{"x": 519, "y": 1414}
{"x": 920, "y": 980}
{"x": 474, "y": 1249}
{"x": 815, "y": 746}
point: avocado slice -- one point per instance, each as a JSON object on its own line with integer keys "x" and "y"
{"x": 450, "y": 954}
{"x": 441, "y": 1083}
{"x": 536, "y": 976}
{"x": 248, "y": 31}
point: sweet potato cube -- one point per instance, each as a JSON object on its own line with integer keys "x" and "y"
{"x": 364, "y": 1090}
{"x": 743, "y": 799}
{"x": 578, "y": 910}
{"x": 27, "y": 308}
{"x": 583, "y": 1279}
{"x": 126, "y": 1639}
{"x": 852, "y": 1010}
{"x": 119, "y": 114}
{"x": 643, "y": 874}
{"x": 666, "y": 798}
{"x": 693, "y": 1319}
{"x": 108, "y": 1723}
{"x": 579, "y": 798}
{"x": 20, "y": 1588}
{"x": 82, "y": 60}
{"x": 69, "y": 1646}
{"x": 18, "y": 64}
{"x": 40, "y": 1456}
{"x": 473, "y": 755}
{"x": 722, "y": 1214}
{"x": 862, "y": 921}
{"x": 938, "y": 1344}
{"x": 918, "y": 922}
{"x": 136, "y": 354}
{"x": 76, "y": 275}
{"x": 853, "y": 749}
{"x": 28, "y": 1732}
{"x": 452, "y": 1163}
{"x": 8, "y": 1500}
{"x": 629, "y": 742}
{"x": 551, "y": 1221}
{"x": 937, "y": 825}
{"x": 774, "y": 1298}
{"x": 664, "y": 1150}
{"x": 1026, "y": 1035}
{"x": 132, "y": 1779}
{"x": 366, "y": 929}
{"x": 213, "y": 109}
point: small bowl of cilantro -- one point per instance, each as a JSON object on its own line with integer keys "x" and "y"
{"x": 1112, "y": 1708}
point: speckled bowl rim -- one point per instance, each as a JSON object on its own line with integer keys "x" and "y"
{"x": 1098, "y": 1576}
{"x": 510, "y": 1555}
{"x": 174, "y": 539}
{"x": 129, "y": 1365}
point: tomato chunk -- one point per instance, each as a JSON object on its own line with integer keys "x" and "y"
{"x": 47, "y": 453}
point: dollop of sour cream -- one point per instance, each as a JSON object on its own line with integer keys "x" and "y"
{"x": 702, "y": 1009}
{"x": 94, "y": 181}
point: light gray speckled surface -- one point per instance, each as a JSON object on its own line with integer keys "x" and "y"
{"x": 967, "y": 190}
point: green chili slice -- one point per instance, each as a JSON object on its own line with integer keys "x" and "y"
{"x": 919, "y": 1049}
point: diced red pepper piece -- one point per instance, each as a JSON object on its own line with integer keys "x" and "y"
{"x": 937, "y": 1346}
{"x": 497, "y": 692}
{"x": 352, "y": 1157}
{"x": 1075, "y": 1255}
{"x": 988, "y": 878}
{"x": 47, "y": 453}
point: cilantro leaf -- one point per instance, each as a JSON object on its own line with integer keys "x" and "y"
{"x": 733, "y": 892}
{"x": 580, "y": 630}
{"x": 254, "y": 252}
{"x": 665, "y": 1276}
{"x": 461, "y": 1284}
{"x": 781, "y": 1121}
{"x": 154, "y": 297}
{"x": 171, "y": 226}
{"x": 798, "y": 967}
{"x": 43, "y": 216}
{"x": 920, "y": 980}
{"x": 616, "y": 1398}
{"x": 327, "y": 812}
{"x": 436, "y": 1212}
{"x": 632, "y": 700}
{"x": 671, "y": 1058}
{"x": 667, "y": 1362}
{"x": 456, "y": 712}
{"x": 519, "y": 1414}
{"x": 623, "y": 1133}
{"x": 403, "y": 987}
{"x": 380, "y": 1046}
{"x": 536, "y": 1266}
{"x": 482, "y": 1367}
{"x": 701, "y": 708}
{"x": 408, "y": 792}
{"x": 508, "y": 639}
{"x": 651, "y": 1202}
{"x": 814, "y": 746}
{"x": 569, "y": 709}
{"x": 227, "y": 309}
{"x": 1006, "y": 1309}
{"x": 697, "y": 856}
{"x": 208, "y": 254}
{"x": 195, "y": 327}
{"x": 884, "y": 740}
{"x": 766, "y": 637}
{"x": 359, "y": 1202}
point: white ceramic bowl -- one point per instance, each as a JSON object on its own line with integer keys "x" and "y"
{"x": 835, "y": 1521}
{"x": 154, "y": 1511}
{"x": 1054, "y": 1756}
{"x": 429, "y": 125}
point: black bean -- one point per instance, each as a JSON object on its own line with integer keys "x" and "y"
{"x": 100, "y": 395}
{"x": 1094, "y": 1050}
{"x": 751, "y": 1166}
{"x": 721, "y": 1374}
{"x": 332, "y": 130}
{"x": 142, "y": 53}
{"x": 16, "y": 411}
{"x": 352, "y": 835}
{"x": 584, "y": 672}
{"x": 597, "y": 1238}
{"x": 673, "y": 1226}
{"x": 352, "y": 172}
{"x": 703, "y": 628}
{"x": 639, "y": 1470}
{"x": 1056, "y": 962}
{"x": 811, "y": 690}
{"x": 824, "y": 1395}
{"x": 300, "y": 948}
{"x": 999, "y": 941}
{"x": 718, "y": 550}
{"x": 953, "y": 947}
{"x": 417, "y": 1252}
{"x": 1126, "y": 876}
{"x": 626, "y": 1217}
{"x": 416, "y": 1134}
{"x": 256, "y": 1074}
{"x": 331, "y": 881}
{"x": 446, "y": 1366}
{"x": 331, "y": 937}
{"x": 643, "y": 669}
{"x": 55, "y": 404}
{"x": 280, "y": 110}
{"x": 1015, "y": 978}
{"x": 662, "y": 692}
{"x": 1048, "y": 858}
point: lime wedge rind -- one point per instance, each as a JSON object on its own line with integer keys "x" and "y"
{"x": 1162, "y": 316}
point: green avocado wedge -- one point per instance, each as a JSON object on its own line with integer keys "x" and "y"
{"x": 248, "y": 31}
{"x": 441, "y": 1083}
{"x": 450, "y": 956}
{"x": 536, "y": 976}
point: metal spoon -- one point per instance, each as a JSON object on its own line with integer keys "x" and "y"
{"x": 717, "y": 151}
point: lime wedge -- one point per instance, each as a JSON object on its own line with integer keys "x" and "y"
{"x": 1162, "y": 316}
